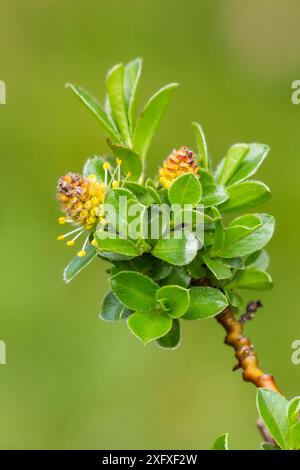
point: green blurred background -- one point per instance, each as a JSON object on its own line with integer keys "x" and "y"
{"x": 72, "y": 381}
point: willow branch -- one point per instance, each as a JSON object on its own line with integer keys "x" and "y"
{"x": 244, "y": 351}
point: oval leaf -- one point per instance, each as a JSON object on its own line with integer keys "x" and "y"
{"x": 172, "y": 339}
{"x": 134, "y": 290}
{"x": 272, "y": 408}
{"x": 123, "y": 246}
{"x": 205, "y": 302}
{"x": 112, "y": 309}
{"x": 251, "y": 278}
{"x": 242, "y": 240}
{"x": 186, "y": 189}
{"x": 148, "y": 326}
{"x": 245, "y": 195}
{"x": 177, "y": 251}
{"x": 176, "y": 298}
{"x": 213, "y": 195}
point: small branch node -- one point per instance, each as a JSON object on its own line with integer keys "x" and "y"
{"x": 251, "y": 310}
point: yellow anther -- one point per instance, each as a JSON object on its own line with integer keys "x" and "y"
{"x": 70, "y": 243}
{"x": 94, "y": 242}
{"x": 115, "y": 184}
{"x": 81, "y": 253}
{"x": 62, "y": 220}
{"x": 95, "y": 201}
{"x": 92, "y": 177}
{"x": 88, "y": 205}
{"x": 60, "y": 237}
{"x": 106, "y": 166}
{"x": 119, "y": 161}
{"x": 128, "y": 174}
{"x": 83, "y": 214}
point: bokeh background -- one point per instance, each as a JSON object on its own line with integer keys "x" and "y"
{"x": 72, "y": 381}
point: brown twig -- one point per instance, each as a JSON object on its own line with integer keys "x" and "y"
{"x": 246, "y": 356}
{"x": 251, "y": 310}
{"x": 244, "y": 352}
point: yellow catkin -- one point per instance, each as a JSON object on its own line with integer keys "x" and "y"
{"x": 81, "y": 198}
{"x": 178, "y": 163}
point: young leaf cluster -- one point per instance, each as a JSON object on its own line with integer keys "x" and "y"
{"x": 157, "y": 282}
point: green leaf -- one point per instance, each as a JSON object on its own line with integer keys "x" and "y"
{"x": 186, "y": 189}
{"x": 112, "y": 309}
{"x": 241, "y": 240}
{"x": 251, "y": 278}
{"x": 250, "y": 163}
{"x": 234, "y": 299}
{"x": 178, "y": 276}
{"x": 234, "y": 156}
{"x": 201, "y": 145}
{"x": 205, "y": 302}
{"x": 150, "y": 118}
{"x": 117, "y": 209}
{"x": 206, "y": 177}
{"x": 219, "y": 231}
{"x": 221, "y": 443}
{"x": 213, "y": 195}
{"x": 172, "y": 339}
{"x": 113, "y": 257}
{"x": 77, "y": 264}
{"x": 245, "y": 195}
{"x": 123, "y": 246}
{"x": 259, "y": 259}
{"x": 272, "y": 408}
{"x": 95, "y": 107}
{"x": 131, "y": 162}
{"x": 219, "y": 269}
{"x": 176, "y": 298}
{"x": 134, "y": 290}
{"x": 293, "y": 411}
{"x": 196, "y": 269}
{"x": 94, "y": 166}
{"x": 294, "y": 436}
{"x": 179, "y": 251}
{"x": 132, "y": 75}
{"x": 144, "y": 195}
{"x": 115, "y": 90}
{"x": 267, "y": 446}
{"x": 148, "y": 326}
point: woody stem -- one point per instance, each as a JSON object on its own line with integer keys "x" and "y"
{"x": 246, "y": 357}
{"x": 244, "y": 352}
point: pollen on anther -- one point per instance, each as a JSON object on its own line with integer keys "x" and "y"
{"x": 106, "y": 166}
{"x": 62, "y": 220}
{"x": 81, "y": 253}
{"x": 115, "y": 184}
